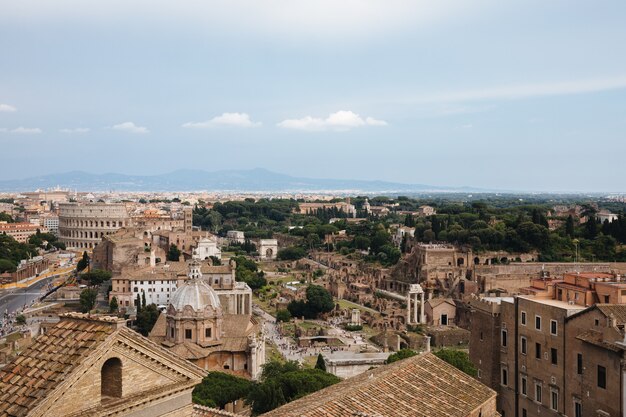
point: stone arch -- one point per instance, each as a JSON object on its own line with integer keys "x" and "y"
{"x": 460, "y": 262}
{"x": 111, "y": 378}
{"x": 477, "y": 261}
{"x": 269, "y": 253}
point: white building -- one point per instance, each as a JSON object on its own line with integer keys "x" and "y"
{"x": 52, "y": 224}
{"x": 604, "y": 215}
{"x": 206, "y": 248}
{"x": 401, "y": 232}
{"x": 268, "y": 248}
{"x": 235, "y": 236}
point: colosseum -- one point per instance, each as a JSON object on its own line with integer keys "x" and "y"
{"x": 82, "y": 225}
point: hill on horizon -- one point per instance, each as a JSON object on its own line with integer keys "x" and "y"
{"x": 253, "y": 180}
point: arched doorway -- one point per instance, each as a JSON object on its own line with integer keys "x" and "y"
{"x": 111, "y": 379}
{"x": 269, "y": 253}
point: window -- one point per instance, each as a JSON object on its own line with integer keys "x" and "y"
{"x": 524, "y": 345}
{"x": 207, "y": 332}
{"x": 554, "y": 400}
{"x": 596, "y": 322}
{"x": 537, "y": 322}
{"x": 504, "y": 338}
{"x": 579, "y": 363}
{"x": 481, "y": 336}
{"x": 578, "y": 409}
{"x": 504, "y": 373}
{"x": 538, "y": 392}
{"x": 601, "y": 377}
{"x": 172, "y": 332}
{"x": 553, "y": 327}
{"x": 538, "y": 350}
{"x": 524, "y": 385}
{"x": 187, "y": 333}
{"x": 553, "y": 356}
{"x": 523, "y": 318}
{"x": 524, "y": 414}
{"x": 479, "y": 374}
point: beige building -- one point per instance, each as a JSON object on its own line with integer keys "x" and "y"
{"x": 83, "y": 225}
{"x": 96, "y": 366}
{"x": 196, "y": 327}
{"x": 20, "y": 231}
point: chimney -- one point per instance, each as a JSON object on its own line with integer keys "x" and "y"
{"x": 152, "y": 258}
{"x": 427, "y": 343}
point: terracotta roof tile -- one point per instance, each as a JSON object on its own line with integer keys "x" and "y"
{"x": 422, "y": 385}
{"x": 40, "y": 368}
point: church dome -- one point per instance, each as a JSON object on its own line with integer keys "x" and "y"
{"x": 197, "y": 294}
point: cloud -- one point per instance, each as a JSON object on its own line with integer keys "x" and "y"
{"x": 130, "y": 127}
{"x": 26, "y": 130}
{"x": 225, "y": 119}
{"x": 75, "y": 130}
{"x": 7, "y": 108}
{"x": 467, "y": 126}
{"x": 3, "y": 129}
{"x": 523, "y": 91}
{"x": 339, "y": 121}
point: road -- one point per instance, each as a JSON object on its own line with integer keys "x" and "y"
{"x": 14, "y": 300}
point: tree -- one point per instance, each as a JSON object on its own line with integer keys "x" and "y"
{"x": 569, "y": 226}
{"x": 146, "y": 318}
{"x": 291, "y": 253}
{"x": 88, "y": 299}
{"x": 96, "y": 277}
{"x": 401, "y": 354}
{"x": 285, "y": 382}
{"x": 113, "y": 305}
{"x": 138, "y": 303}
{"x": 83, "y": 263}
{"x": 173, "y": 254}
{"x": 20, "y": 319}
{"x": 283, "y": 315}
{"x": 320, "y": 364}
{"x": 218, "y": 389}
{"x": 7, "y": 266}
{"x": 591, "y": 227}
{"x": 458, "y": 359}
{"x": 319, "y": 299}
{"x": 143, "y": 300}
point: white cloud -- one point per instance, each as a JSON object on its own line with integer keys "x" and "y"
{"x": 26, "y": 130}
{"x": 339, "y": 121}
{"x": 7, "y": 108}
{"x": 225, "y": 119}
{"x": 130, "y": 127}
{"x": 75, "y": 130}
{"x": 522, "y": 91}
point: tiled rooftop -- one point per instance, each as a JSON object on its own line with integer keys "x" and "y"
{"x": 423, "y": 385}
{"x": 41, "y": 367}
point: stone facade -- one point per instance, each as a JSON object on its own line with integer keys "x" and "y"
{"x": 83, "y": 225}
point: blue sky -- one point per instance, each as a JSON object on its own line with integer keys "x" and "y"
{"x": 526, "y": 95}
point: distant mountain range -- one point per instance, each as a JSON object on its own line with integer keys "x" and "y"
{"x": 254, "y": 180}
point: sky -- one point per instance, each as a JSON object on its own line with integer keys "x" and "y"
{"x": 516, "y": 95}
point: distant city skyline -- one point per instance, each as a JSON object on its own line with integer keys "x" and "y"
{"x": 528, "y": 96}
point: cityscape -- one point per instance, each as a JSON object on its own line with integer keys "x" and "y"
{"x": 279, "y": 208}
